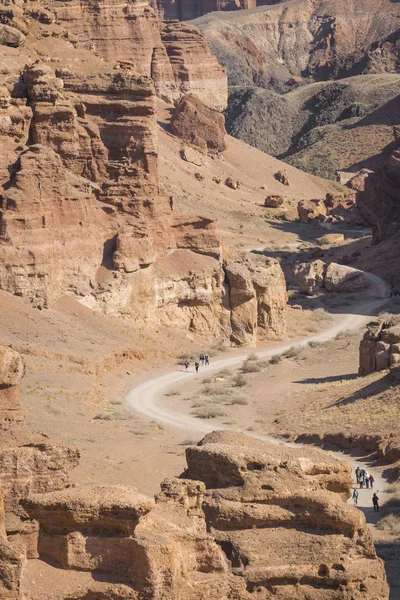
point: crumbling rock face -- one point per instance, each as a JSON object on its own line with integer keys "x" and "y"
{"x": 175, "y": 55}
{"x": 380, "y": 347}
{"x": 282, "y": 519}
{"x": 199, "y": 126}
{"x": 257, "y": 297}
{"x": 12, "y": 369}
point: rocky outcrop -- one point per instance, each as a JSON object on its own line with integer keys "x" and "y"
{"x": 317, "y": 275}
{"x": 28, "y": 464}
{"x": 199, "y": 126}
{"x": 174, "y": 55}
{"x": 380, "y": 347}
{"x": 310, "y": 276}
{"x": 257, "y": 299}
{"x": 12, "y": 369}
{"x": 82, "y": 212}
{"x": 258, "y": 506}
{"x": 243, "y": 517}
{"x": 162, "y": 549}
{"x": 195, "y": 68}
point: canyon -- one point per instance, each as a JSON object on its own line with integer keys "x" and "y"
{"x": 202, "y": 536}
{"x": 314, "y": 83}
{"x": 136, "y": 232}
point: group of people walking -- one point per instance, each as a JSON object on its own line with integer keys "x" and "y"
{"x": 366, "y": 479}
{"x": 204, "y": 360}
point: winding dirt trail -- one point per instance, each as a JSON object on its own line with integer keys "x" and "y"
{"x": 144, "y": 399}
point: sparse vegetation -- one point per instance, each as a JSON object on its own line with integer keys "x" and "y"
{"x": 275, "y": 359}
{"x": 291, "y": 353}
{"x": 250, "y": 367}
{"x": 208, "y": 412}
{"x": 390, "y": 524}
{"x": 241, "y": 400}
{"x": 239, "y": 380}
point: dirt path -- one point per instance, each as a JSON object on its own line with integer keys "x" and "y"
{"x": 142, "y": 399}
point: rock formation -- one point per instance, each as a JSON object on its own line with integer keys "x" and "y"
{"x": 282, "y": 520}
{"x": 316, "y": 275}
{"x": 199, "y": 126}
{"x": 380, "y": 347}
{"x": 257, "y": 297}
{"x": 82, "y": 212}
{"x": 245, "y": 516}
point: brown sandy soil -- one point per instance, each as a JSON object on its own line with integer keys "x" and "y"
{"x": 241, "y": 215}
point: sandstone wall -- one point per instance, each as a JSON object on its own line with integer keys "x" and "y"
{"x": 82, "y": 212}
{"x": 175, "y": 55}
{"x": 248, "y": 518}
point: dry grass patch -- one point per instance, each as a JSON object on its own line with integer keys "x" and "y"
{"x": 208, "y": 412}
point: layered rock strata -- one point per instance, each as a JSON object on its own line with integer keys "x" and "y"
{"x": 82, "y": 212}
{"x": 243, "y": 521}
{"x": 176, "y": 56}
{"x": 380, "y": 347}
{"x": 28, "y": 464}
{"x": 282, "y": 520}
{"x": 204, "y": 535}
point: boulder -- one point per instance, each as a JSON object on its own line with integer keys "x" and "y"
{"x": 257, "y": 298}
{"x": 9, "y": 36}
{"x": 282, "y": 177}
{"x": 347, "y": 280}
{"x": 198, "y": 125}
{"x": 311, "y": 210}
{"x": 330, "y": 239}
{"x": 232, "y": 183}
{"x": 192, "y": 156}
{"x": 310, "y": 276}
{"x": 380, "y": 346}
{"x": 274, "y": 201}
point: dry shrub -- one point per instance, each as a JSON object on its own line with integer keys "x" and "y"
{"x": 390, "y": 524}
{"x": 250, "y": 367}
{"x": 208, "y": 412}
{"x": 275, "y": 359}
{"x": 239, "y": 380}
{"x": 239, "y": 399}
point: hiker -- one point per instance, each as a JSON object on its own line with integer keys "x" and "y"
{"x": 206, "y": 359}
{"x": 366, "y": 479}
{"x": 362, "y": 478}
{"x": 358, "y": 471}
{"x": 371, "y": 481}
{"x": 186, "y": 363}
{"x": 196, "y": 366}
{"x": 202, "y": 359}
{"x": 375, "y": 502}
{"x": 355, "y": 496}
